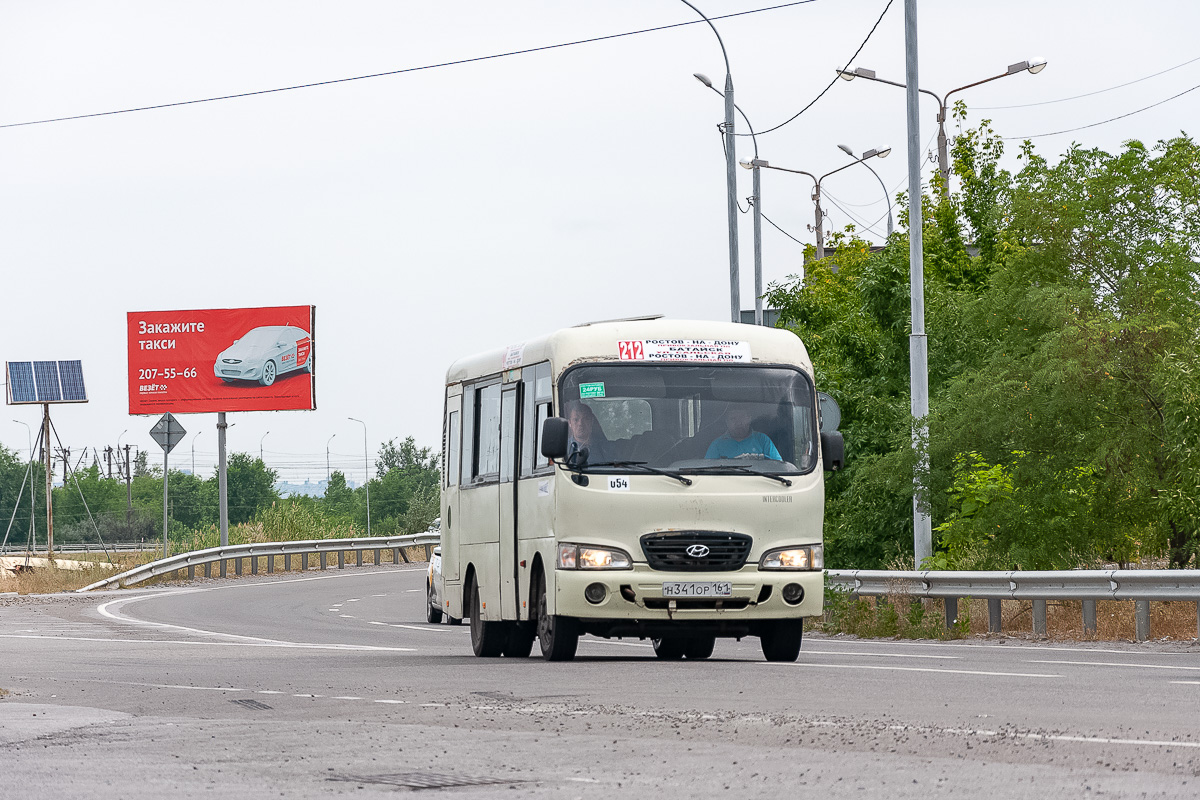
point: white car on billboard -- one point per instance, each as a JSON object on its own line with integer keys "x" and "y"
{"x": 263, "y": 354}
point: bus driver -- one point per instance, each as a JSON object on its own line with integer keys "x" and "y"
{"x": 586, "y": 443}
{"x": 739, "y": 441}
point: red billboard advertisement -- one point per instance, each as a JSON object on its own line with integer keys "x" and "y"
{"x": 224, "y": 359}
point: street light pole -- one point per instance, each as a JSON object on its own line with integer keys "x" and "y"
{"x": 817, "y": 187}
{"x": 194, "y": 452}
{"x": 328, "y": 474}
{"x": 366, "y": 471}
{"x": 260, "y": 446}
{"x": 755, "y": 201}
{"x": 1033, "y": 66}
{"x": 735, "y": 299}
{"x": 886, "y": 198}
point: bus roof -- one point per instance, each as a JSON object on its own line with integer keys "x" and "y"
{"x": 600, "y": 342}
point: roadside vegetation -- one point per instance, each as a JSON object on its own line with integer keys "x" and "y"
{"x": 1063, "y": 311}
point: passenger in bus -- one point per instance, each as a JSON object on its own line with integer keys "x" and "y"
{"x": 586, "y": 443}
{"x": 739, "y": 441}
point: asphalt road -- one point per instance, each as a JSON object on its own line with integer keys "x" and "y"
{"x": 332, "y": 683}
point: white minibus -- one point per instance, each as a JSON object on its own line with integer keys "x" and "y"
{"x": 648, "y": 478}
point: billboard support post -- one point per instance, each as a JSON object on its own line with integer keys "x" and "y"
{"x": 49, "y": 481}
{"x": 222, "y": 479}
{"x": 166, "y": 472}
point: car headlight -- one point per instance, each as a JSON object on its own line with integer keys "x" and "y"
{"x": 581, "y": 556}
{"x": 809, "y": 557}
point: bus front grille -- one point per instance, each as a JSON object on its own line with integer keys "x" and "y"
{"x": 696, "y": 551}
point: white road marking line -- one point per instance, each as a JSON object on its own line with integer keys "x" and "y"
{"x": 347, "y": 697}
{"x": 1187, "y": 683}
{"x": 314, "y": 696}
{"x": 414, "y": 590}
{"x": 347, "y": 616}
{"x": 1116, "y": 664}
{"x": 431, "y": 627}
{"x": 269, "y": 691}
{"x": 876, "y": 655}
{"x": 355, "y": 600}
{"x": 910, "y": 669}
{"x": 392, "y": 702}
{"x": 379, "y": 595}
{"x": 263, "y": 643}
{"x": 1042, "y": 737}
{"x": 619, "y": 644}
{"x": 972, "y": 646}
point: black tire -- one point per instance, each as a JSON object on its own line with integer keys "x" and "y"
{"x": 519, "y": 643}
{"x": 699, "y": 648}
{"x": 669, "y": 648}
{"x": 433, "y": 614}
{"x": 269, "y": 373}
{"x": 558, "y": 636}
{"x": 487, "y": 638}
{"x": 781, "y": 639}
{"x": 453, "y": 620}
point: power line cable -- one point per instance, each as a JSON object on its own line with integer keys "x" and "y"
{"x": 1102, "y": 122}
{"x": 1088, "y": 94}
{"x": 458, "y": 62}
{"x": 835, "y": 77}
{"x": 781, "y": 230}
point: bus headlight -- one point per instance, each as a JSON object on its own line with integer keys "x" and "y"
{"x": 580, "y": 556}
{"x": 809, "y": 557}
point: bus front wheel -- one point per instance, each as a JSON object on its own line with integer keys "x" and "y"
{"x": 558, "y": 636}
{"x": 487, "y": 638}
{"x": 781, "y": 639}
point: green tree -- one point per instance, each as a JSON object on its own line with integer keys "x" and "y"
{"x": 251, "y": 487}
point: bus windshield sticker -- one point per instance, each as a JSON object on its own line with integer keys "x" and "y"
{"x": 591, "y": 389}
{"x": 683, "y": 350}
{"x": 543, "y": 488}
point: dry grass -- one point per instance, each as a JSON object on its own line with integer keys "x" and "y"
{"x": 46, "y": 580}
{"x": 1064, "y": 619}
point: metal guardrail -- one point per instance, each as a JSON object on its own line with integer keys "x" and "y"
{"x": 1139, "y": 585}
{"x": 270, "y": 551}
{"x": 20, "y": 550}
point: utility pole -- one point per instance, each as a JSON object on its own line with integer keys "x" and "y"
{"x": 108, "y": 451}
{"x": 49, "y": 480}
{"x": 128, "y": 488}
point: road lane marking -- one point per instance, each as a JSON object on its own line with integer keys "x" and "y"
{"x": 392, "y": 702}
{"x": 1117, "y": 664}
{"x": 910, "y": 669}
{"x": 262, "y": 643}
{"x": 1187, "y": 683}
{"x": 876, "y": 655}
{"x": 972, "y": 646}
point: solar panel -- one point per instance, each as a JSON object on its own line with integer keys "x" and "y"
{"x": 20, "y": 382}
{"x": 71, "y": 373}
{"x": 45, "y": 375}
{"x": 46, "y": 382}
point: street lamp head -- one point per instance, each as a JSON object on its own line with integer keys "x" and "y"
{"x": 700, "y": 76}
{"x": 847, "y": 150}
{"x": 877, "y": 153}
{"x": 747, "y": 163}
{"x": 851, "y": 74}
{"x": 1033, "y": 66}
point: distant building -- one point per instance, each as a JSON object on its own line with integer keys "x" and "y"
{"x": 307, "y": 488}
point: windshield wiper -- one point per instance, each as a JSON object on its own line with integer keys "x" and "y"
{"x": 741, "y": 468}
{"x": 642, "y": 465}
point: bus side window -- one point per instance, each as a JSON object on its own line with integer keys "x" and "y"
{"x": 453, "y": 443}
{"x": 487, "y": 434}
{"x": 543, "y": 412}
{"x": 470, "y": 426}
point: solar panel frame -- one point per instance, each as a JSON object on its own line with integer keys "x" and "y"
{"x": 71, "y": 376}
{"x": 21, "y": 388}
{"x": 45, "y": 377}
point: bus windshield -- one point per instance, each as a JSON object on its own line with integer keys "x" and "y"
{"x": 690, "y": 418}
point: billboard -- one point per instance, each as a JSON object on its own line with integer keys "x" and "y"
{"x": 225, "y": 359}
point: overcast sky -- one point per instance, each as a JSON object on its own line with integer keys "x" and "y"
{"x": 438, "y": 213}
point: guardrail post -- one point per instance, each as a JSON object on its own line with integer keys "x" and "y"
{"x": 237, "y": 566}
{"x": 951, "y": 608}
{"x": 428, "y": 552}
{"x": 341, "y": 559}
{"x": 322, "y": 554}
{"x": 1039, "y": 617}
{"x": 1089, "y": 616}
{"x": 253, "y": 565}
{"x": 994, "y": 621}
{"x": 270, "y": 564}
{"x": 378, "y": 556}
{"x": 1141, "y": 620}
{"x": 358, "y": 558}
{"x": 191, "y": 572}
{"x": 304, "y": 562}
{"x": 1198, "y": 619}
{"x": 400, "y": 551}
{"x": 208, "y": 569}
{"x": 224, "y": 567}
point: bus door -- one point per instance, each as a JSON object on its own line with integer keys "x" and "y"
{"x": 452, "y": 462}
{"x": 510, "y": 407}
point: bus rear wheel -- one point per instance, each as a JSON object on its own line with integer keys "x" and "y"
{"x": 519, "y": 643}
{"x": 781, "y": 639}
{"x": 487, "y": 638}
{"x": 669, "y": 648}
{"x": 699, "y": 647}
{"x": 558, "y": 636}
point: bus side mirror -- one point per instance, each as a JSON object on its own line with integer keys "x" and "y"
{"x": 554, "y": 437}
{"x": 833, "y": 451}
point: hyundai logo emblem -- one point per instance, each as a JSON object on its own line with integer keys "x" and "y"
{"x": 697, "y": 550}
